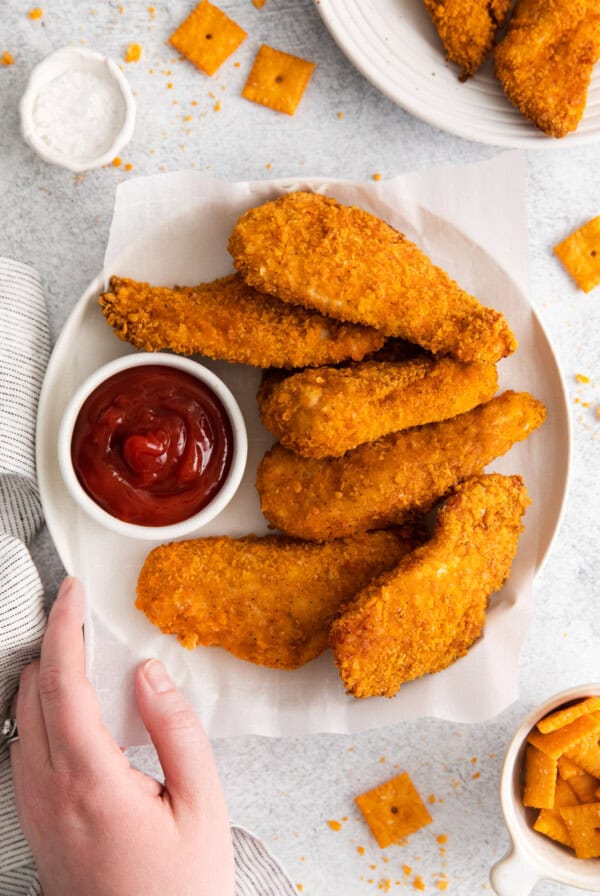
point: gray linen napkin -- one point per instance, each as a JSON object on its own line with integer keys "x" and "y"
{"x": 24, "y": 351}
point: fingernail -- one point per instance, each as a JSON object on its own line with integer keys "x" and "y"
{"x": 66, "y": 586}
{"x": 157, "y": 676}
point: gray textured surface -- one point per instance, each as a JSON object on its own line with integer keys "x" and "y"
{"x": 285, "y": 790}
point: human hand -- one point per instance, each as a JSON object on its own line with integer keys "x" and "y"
{"x": 96, "y": 826}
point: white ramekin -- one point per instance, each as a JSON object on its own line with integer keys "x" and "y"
{"x": 534, "y": 857}
{"x": 54, "y": 65}
{"x": 218, "y": 502}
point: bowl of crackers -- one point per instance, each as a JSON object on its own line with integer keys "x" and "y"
{"x": 550, "y": 796}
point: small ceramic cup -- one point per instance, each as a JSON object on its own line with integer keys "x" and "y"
{"x": 78, "y": 59}
{"x": 220, "y": 499}
{"x": 534, "y": 857}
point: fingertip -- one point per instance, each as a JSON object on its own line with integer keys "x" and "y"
{"x": 71, "y": 594}
{"x": 155, "y": 677}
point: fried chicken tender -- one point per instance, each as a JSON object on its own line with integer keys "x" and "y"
{"x": 545, "y": 62}
{"x": 387, "y": 482}
{"x": 467, "y": 29}
{"x": 309, "y": 250}
{"x": 425, "y": 614}
{"x": 267, "y": 600}
{"x": 228, "y": 320}
{"x": 327, "y": 411}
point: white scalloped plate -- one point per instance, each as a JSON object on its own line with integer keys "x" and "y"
{"x": 394, "y": 44}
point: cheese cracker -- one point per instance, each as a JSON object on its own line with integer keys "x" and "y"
{"x": 207, "y": 37}
{"x": 277, "y": 80}
{"x": 580, "y": 254}
{"x": 393, "y": 810}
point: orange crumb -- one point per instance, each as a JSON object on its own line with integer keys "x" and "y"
{"x": 121, "y": 9}
{"x": 268, "y": 165}
{"x": 128, "y": 167}
{"x": 344, "y": 818}
{"x": 194, "y": 102}
{"x": 360, "y": 850}
{"x": 418, "y": 883}
{"x": 6, "y": 58}
{"x": 169, "y": 86}
{"x": 582, "y": 378}
{"x": 385, "y": 858}
{"x": 340, "y": 115}
{"x": 476, "y": 775}
{"x": 217, "y": 106}
{"x": 377, "y": 177}
{"x": 236, "y": 64}
{"x": 442, "y": 838}
{"x": 117, "y": 161}
{"x": 382, "y": 758}
{"x": 334, "y": 825}
{"x": 36, "y": 13}
{"x": 407, "y": 869}
{"x": 150, "y": 71}
{"x": 384, "y": 884}
{"x": 300, "y": 887}
{"x": 473, "y": 759}
{"x": 187, "y": 117}
{"x": 431, "y": 798}
{"x": 134, "y": 53}
{"x": 441, "y": 884}
{"x": 152, "y": 11}
{"x": 259, "y": 3}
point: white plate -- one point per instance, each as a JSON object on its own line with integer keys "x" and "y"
{"x": 237, "y": 697}
{"x": 394, "y": 44}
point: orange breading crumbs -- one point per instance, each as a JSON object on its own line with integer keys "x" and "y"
{"x": 564, "y": 716}
{"x": 441, "y": 884}
{"x": 407, "y": 869}
{"x": 565, "y": 738}
{"x": 476, "y": 775}
{"x": 540, "y": 779}
{"x": 340, "y": 116}
{"x": 259, "y": 3}
{"x": 583, "y": 824}
{"x": 334, "y": 825}
{"x": 442, "y": 838}
{"x": 6, "y": 58}
{"x": 133, "y": 53}
{"x": 393, "y": 810}
{"x": 117, "y": 162}
{"x": 277, "y": 80}
{"x": 582, "y": 378}
{"x": 377, "y": 177}
{"x": 128, "y": 167}
{"x": 360, "y": 850}
{"x": 36, "y": 13}
{"x": 418, "y": 883}
{"x": 580, "y": 255}
{"x": 207, "y": 37}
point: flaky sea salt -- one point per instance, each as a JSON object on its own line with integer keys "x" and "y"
{"x": 78, "y": 114}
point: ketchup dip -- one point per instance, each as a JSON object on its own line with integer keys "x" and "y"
{"x": 152, "y": 445}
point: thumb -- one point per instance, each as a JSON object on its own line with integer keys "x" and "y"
{"x": 183, "y": 748}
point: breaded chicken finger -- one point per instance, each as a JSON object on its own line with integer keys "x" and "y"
{"x": 426, "y": 613}
{"x": 467, "y": 29}
{"x": 327, "y": 411}
{"x": 228, "y": 320}
{"x": 386, "y": 482}
{"x": 546, "y": 59}
{"x": 309, "y": 250}
{"x": 267, "y": 600}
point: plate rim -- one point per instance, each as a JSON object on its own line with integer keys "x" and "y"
{"x": 537, "y": 140}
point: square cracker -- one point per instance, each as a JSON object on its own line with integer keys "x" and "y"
{"x": 580, "y": 254}
{"x": 568, "y": 714}
{"x": 207, "y": 37}
{"x": 540, "y": 779}
{"x": 393, "y": 810}
{"x": 277, "y": 80}
{"x": 564, "y": 739}
{"x": 583, "y": 825}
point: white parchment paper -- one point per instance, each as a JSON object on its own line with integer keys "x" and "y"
{"x": 173, "y": 229}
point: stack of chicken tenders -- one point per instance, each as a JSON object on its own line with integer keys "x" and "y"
{"x": 380, "y": 381}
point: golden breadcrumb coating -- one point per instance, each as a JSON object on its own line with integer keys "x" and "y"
{"x": 386, "y": 482}
{"x": 267, "y": 600}
{"x": 327, "y": 411}
{"x": 545, "y": 62}
{"x": 309, "y": 250}
{"x": 467, "y": 29}
{"x": 425, "y": 614}
{"x": 228, "y": 320}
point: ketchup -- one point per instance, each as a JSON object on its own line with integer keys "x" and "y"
{"x": 152, "y": 445}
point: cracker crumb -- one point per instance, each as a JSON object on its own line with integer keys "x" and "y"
{"x": 334, "y": 825}
{"x": 36, "y": 13}
{"x": 418, "y": 883}
{"x": 169, "y": 85}
{"x": 300, "y": 887}
{"x": 431, "y": 798}
{"x": 377, "y": 177}
{"x": 340, "y": 115}
{"x": 360, "y": 850}
{"x": 407, "y": 869}
{"x": 128, "y": 167}
{"x": 442, "y": 838}
{"x": 259, "y": 3}
{"x": 582, "y": 378}
{"x": 217, "y": 106}
{"x": 7, "y": 58}
{"x": 133, "y": 53}
{"x": 476, "y": 776}
{"x": 441, "y": 884}
{"x": 117, "y": 162}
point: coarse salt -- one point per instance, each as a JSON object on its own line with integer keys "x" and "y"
{"x": 78, "y": 114}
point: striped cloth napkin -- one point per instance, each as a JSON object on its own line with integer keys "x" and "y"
{"x": 24, "y": 351}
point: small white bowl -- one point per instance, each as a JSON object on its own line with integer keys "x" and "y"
{"x": 534, "y": 857}
{"x": 221, "y": 498}
{"x": 76, "y": 59}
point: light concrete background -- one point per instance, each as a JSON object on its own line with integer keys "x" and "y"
{"x": 286, "y": 790}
